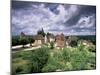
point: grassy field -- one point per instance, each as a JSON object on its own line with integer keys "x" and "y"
{"x": 51, "y": 60}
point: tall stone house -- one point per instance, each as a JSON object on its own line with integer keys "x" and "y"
{"x": 60, "y": 41}
{"x": 39, "y": 39}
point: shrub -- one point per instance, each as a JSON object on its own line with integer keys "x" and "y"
{"x": 40, "y": 57}
{"x": 27, "y": 55}
{"x": 52, "y": 45}
{"x": 92, "y": 48}
{"x": 31, "y": 40}
{"x": 40, "y": 60}
{"x": 80, "y": 47}
{"x": 23, "y": 41}
{"x": 68, "y": 66}
{"x": 36, "y": 60}
{"x": 73, "y": 41}
{"x": 52, "y": 65}
{"x": 78, "y": 60}
{"x": 92, "y": 60}
{"x": 15, "y": 40}
{"x": 23, "y": 66}
{"x": 66, "y": 53}
{"x": 58, "y": 62}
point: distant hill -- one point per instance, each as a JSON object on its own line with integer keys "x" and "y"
{"x": 87, "y": 37}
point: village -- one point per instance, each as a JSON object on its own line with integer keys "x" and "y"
{"x": 52, "y": 53}
{"x": 52, "y": 37}
{"x": 58, "y": 41}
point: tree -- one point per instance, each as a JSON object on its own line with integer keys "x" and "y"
{"x": 23, "y": 41}
{"x": 48, "y": 33}
{"x": 31, "y": 40}
{"x": 73, "y": 40}
{"x": 52, "y": 45}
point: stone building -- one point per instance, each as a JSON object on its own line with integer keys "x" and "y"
{"x": 60, "y": 41}
{"x": 39, "y": 39}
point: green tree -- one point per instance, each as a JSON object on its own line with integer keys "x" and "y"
{"x": 73, "y": 41}
{"x": 23, "y": 41}
{"x": 40, "y": 58}
{"x": 31, "y": 40}
{"x": 52, "y": 45}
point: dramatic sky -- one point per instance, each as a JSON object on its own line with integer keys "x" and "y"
{"x": 29, "y": 17}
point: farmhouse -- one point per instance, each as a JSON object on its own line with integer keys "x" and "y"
{"x": 58, "y": 40}
{"x": 39, "y": 39}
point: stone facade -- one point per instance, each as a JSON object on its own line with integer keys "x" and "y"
{"x": 39, "y": 39}
{"x": 60, "y": 41}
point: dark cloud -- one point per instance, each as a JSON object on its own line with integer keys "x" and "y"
{"x": 88, "y": 10}
{"x": 20, "y": 4}
{"x": 83, "y": 11}
{"x": 69, "y": 19}
{"x": 73, "y": 20}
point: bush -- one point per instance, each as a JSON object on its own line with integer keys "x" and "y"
{"x": 68, "y": 66}
{"x": 52, "y": 65}
{"x": 58, "y": 62}
{"x": 92, "y": 48}
{"x": 27, "y": 55}
{"x": 23, "y": 41}
{"x": 40, "y": 57}
{"x": 45, "y": 60}
{"x": 66, "y": 53}
{"x": 73, "y": 41}
{"x": 31, "y": 40}
{"x": 37, "y": 59}
{"x": 15, "y": 41}
{"x": 23, "y": 66}
{"x": 52, "y": 45}
{"x": 80, "y": 59}
{"x": 80, "y": 47}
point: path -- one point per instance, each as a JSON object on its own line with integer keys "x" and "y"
{"x": 19, "y": 48}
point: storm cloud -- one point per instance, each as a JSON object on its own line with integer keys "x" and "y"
{"x": 29, "y": 17}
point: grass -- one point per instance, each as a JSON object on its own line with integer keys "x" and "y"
{"x": 50, "y": 60}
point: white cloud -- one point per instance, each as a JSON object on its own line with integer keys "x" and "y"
{"x": 86, "y": 22}
{"x": 32, "y": 19}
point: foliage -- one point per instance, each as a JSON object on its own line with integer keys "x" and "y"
{"x": 52, "y": 45}
{"x": 68, "y": 66}
{"x": 58, "y": 62}
{"x": 32, "y": 61}
{"x": 48, "y": 33}
{"x": 52, "y": 65}
{"x": 22, "y": 66}
{"x": 66, "y": 59}
{"x": 15, "y": 41}
{"x": 40, "y": 56}
{"x": 23, "y": 41}
{"x": 80, "y": 47}
{"x": 66, "y": 54}
{"x": 73, "y": 41}
{"x": 31, "y": 40}
{"x": 78, "y": 60}
{"x": 80, "y": 57}
{"x": 92, "y": 48}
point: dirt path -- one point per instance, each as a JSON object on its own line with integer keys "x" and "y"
{"x": 24, "y": 49}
